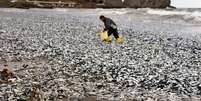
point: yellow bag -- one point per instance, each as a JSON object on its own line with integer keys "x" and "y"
{"x": 105, "y": 38}
{"x": 120, "y": 40}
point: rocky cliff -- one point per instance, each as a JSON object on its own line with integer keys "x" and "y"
{"x": 147, "y": 3}
{"x": 4, "y": 3}
{"x": 130, "y": 3}
{"x": 17, "y": 4}
{"x": 88, "y": 3}
{"x": 113, "y": 3}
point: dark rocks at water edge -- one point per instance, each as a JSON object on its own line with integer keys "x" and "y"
{"x": 147, "y": 3}
{"x": 57, "y": 55}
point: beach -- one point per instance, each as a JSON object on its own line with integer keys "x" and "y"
{"x": 60, "y": 51}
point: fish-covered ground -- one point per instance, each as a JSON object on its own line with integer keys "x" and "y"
{"x": 57, "y": 55}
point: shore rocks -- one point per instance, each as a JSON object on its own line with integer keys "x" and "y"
{"x": 114, "y": 3}
{"x": 147, "y": 3}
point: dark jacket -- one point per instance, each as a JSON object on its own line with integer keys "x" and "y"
{"x": 109, "y": 24}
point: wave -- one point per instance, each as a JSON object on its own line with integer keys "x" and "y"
{"x": 12, "y": 10}
{"x": 61, "y": 9}
{"x": 196, "y": 15}
{"x": 165, "y": 12}
{"x": 113, "y": 11}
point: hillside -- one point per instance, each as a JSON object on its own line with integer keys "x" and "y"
{"x": 86, "y": 3}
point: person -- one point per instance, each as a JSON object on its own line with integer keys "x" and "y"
{"x": 110, "y": 26}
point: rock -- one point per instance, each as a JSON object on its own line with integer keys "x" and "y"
{"x": 113, "y": 3}
{"x": 147, "y": 3}
{"x": 7, "y": 76}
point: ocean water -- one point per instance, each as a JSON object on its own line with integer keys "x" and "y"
{"x": 186, "y": 14}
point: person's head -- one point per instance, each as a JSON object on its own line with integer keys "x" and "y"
{"x": 102, "y": 18}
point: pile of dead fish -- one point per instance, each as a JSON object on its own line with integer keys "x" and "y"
{"x": 55, "y": 57}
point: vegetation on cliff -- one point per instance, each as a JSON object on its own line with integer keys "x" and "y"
{"x": 85, "y": 3}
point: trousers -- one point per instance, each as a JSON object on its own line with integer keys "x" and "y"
{"x": 114, "y": 32}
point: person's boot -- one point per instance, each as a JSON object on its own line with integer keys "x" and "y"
{"x": 108, "y": 40}
{"x": 120, "y": 40}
